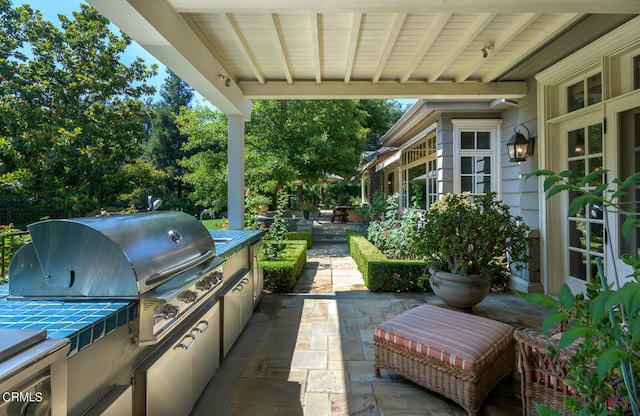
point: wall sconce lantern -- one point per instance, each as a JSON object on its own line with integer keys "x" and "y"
{"x": 519, "y": 147}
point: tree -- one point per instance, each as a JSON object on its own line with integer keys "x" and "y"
{"x": 304, "y": 139}
{"x": 71, "y": 114}
{"x": 381, "y": 116}
{"x": 164, "y": 148}
{"x": 286, "y": 141}
{"x": 206, "y": 167}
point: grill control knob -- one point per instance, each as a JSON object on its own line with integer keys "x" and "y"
{"x": 170, "y": 311}
{"x": 188, "y": 296}
{"x": 205, "y": 284}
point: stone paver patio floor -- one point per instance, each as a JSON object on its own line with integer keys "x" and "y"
{"x": 311, "y": 352}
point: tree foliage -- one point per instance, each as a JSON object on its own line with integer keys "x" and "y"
{"x": 381, "y": 115}
{"x": 305, "y": 139}
{"x": 285, "y": 141}
{"x": 206, "y": 167}
{"x": 71, "y": 114}
{"x": 164, "y": 148}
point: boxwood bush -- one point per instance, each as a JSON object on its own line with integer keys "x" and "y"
{"x": 281, "y": 274}
{"x": 382, "y": 274}
{"x": 306, "y": 235}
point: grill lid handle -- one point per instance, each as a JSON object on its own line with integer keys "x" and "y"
{"x": 162, "y": 276}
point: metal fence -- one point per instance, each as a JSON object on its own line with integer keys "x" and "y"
{"x": 21, "y": 217}
{"x": 10, "y": 243}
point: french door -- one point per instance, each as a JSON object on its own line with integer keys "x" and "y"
{"x": 582, "y": 238}
{"x": 625, "y": 116}
{"x": 583, "y": 145}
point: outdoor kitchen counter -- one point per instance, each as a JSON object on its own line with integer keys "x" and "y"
{"x": 229, "y": 242}
{"x": 86, "y": 322}
{"x": 82, "y": 322}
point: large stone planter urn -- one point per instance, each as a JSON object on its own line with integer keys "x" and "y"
{"x": 462, "y": 292}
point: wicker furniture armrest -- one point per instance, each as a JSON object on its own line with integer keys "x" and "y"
{"x": 543, "y": 376}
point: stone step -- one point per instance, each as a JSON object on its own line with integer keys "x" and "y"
{"x": 329, "y": 238}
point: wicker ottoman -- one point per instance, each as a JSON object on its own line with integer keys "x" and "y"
{"x": 458, "y": 355}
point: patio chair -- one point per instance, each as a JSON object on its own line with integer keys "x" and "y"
{"x": 339, "y": 214}
{"x": 543, "y": 377}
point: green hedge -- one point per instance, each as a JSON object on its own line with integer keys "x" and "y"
{"x": 306, "y": 235}
{"x": 280, "y": 275}
{"x": 382, "y": 274}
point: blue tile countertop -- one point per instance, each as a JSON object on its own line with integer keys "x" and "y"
{"x": 82, "y": 322}
{"x": 85, "y": 322}
{"x": 234, "y": 240}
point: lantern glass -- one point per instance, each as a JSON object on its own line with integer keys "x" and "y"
{"x": 518, "y": 148}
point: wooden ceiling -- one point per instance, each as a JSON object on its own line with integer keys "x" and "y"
{"x": 232, "y": 51}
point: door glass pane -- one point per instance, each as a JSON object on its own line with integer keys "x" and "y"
{"x": 595, "y": 163}
{"x": 595, "y": 138}
{"x": 466, "y": 183}
{"x": 576, "y": 143}
{"x": 578, "y": 265}
{"x": 484, "y": 140}
{"x": 484, "y": 185}
{"x": 575, "y": 96}
{"x": 577, "y": 236}
{"x": 466, "y": 165}
{"x": 577, "y": 167}
{"x": 596, "y": 240}
{"x": 467, "y": 140}
{"x": 483, "y": 165}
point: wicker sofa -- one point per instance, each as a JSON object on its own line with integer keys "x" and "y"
{"x": 456, "y": 354}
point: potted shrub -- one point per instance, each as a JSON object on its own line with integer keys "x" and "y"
{"x": 468, "y": 241}
{"x": 308, "y": 207}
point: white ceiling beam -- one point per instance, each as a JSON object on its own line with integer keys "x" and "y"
{"x": 242, "y": 45}
{"x": 315, "y": 46}
{"x": 407, "y": 6}
{"x": 392, "y": 36}
{"x": 353, "y": 44}
{"x": 157, "y": 28}
{"x": 383, "y": 90}
{"x": 425, "y": 43}
{"x": 511, "y": 33}
{"x": 278, "y": 42}
{"x": 469, "y": 36}
{"x": 534, "y": 42}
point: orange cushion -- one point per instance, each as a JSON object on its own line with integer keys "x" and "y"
{"x": 463, "y": 340}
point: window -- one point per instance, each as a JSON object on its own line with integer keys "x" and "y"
{"x": 419, "y": 187}
{"x": 475, "y": 158}
{"x": 576, "y": 97}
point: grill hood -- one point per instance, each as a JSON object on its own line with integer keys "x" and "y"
{"x": 120, "y": 256}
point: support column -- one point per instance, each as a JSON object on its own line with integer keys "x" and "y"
{"x": 235, "y": 192}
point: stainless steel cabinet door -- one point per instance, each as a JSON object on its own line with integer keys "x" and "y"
{"x": 206, "y": 349}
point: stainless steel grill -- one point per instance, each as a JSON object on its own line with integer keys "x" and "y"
{"x": 165, "y": 260}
